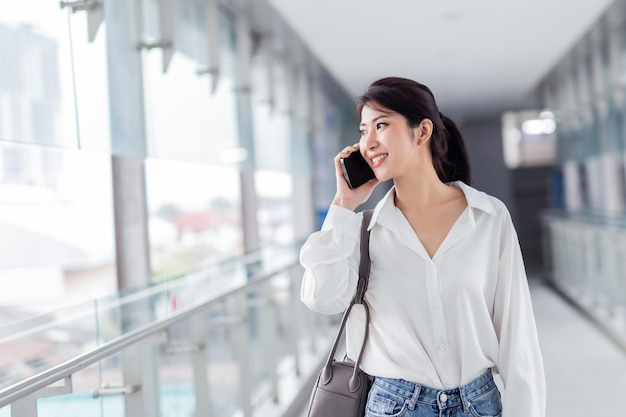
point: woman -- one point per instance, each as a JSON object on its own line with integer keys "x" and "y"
{"x": 448, "y": 294}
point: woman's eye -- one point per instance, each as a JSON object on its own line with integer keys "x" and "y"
{"x": 362, "y": 132}
{"x": 379, "y": 125}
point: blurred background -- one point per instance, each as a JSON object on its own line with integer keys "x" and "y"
{"x": 164, "y": 159}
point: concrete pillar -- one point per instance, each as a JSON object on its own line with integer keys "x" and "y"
{"x": 128, "y": 142}
{"x": 128, "y": 152}
{"x": 131, "y": 226}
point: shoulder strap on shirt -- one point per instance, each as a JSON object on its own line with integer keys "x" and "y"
{"x": 364, "y": 265}
{"x": 364, "y": 272}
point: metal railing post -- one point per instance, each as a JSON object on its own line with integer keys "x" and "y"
{"x": 198, "y": 330}
{"x": 238, "y": 307}
{"x": 295, "y": 276}
{"x": 139, "y": 369}
{"x": 269, "y": 335}
{"x": 27, "y": 406}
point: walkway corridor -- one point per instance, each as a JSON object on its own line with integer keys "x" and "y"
{"x": 585, "y": 369}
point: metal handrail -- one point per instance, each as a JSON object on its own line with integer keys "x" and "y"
{"x": 68, "y": 368}
{"x": 588, "y": 217}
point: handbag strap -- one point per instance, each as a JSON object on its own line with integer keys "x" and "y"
{"x": 364, "y": 273}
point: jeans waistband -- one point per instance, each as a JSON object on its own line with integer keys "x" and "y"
{"x": 441, "y": 398}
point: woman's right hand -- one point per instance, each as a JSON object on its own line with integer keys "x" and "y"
{"x": 347, "y": 197}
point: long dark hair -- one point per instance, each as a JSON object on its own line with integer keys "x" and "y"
{"x": 416, "y": 102}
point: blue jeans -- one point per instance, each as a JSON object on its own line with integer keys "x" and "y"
{"x": 397, "y": 397}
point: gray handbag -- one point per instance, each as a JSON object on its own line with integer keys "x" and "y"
{"x": 341, "y": 388}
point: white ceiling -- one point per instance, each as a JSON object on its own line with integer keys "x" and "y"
{"x": 478, "y": 56}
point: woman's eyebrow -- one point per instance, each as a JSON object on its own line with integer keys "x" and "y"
{"x": 375, "y": 119}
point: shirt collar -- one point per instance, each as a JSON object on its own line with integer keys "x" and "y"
{"x": 384, "y": 210}
{"x": 476, "y": 199}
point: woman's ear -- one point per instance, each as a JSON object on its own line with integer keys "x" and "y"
{"x": 423, "y": 132}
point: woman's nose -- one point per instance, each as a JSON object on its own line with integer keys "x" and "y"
{"x": 369, "y": 140}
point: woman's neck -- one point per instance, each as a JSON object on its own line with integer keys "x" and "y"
{"x": 422, "y": 191}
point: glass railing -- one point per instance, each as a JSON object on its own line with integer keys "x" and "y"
{"x": 232, "y": 339}
{"x": 586, "y": 261}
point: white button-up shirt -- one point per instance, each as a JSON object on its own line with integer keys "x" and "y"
{"x": 439, "y": 321}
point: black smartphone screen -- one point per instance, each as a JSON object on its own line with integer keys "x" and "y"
{"x": 356, "y": 170}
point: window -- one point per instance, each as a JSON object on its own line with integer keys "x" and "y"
{"x": 56, "y": 227}
{"x": 529, "y": 138}
{"x": 194, "y": 215}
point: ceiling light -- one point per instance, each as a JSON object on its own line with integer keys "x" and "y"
{"x": 539, "y": 126}
{"x": 546, "y": 114}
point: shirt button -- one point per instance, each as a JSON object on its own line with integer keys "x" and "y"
{"x": 442, "y": 346}
{"x": 443, "y": 397}
{"x": 435, "y": 306}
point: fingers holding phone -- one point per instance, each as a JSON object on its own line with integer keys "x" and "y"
{"x": 355, "y": 178}
{"x": 356, "y": 170}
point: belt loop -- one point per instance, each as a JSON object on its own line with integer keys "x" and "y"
{"x": 416, "y": 394}
{"x": 464, "y": 400}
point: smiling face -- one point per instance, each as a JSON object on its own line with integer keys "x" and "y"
{"x": 389, "y": 144}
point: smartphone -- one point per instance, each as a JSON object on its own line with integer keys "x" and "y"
{"x": 356, "y": 170}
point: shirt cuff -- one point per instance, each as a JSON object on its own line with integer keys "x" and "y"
{"x": 341, "y": 219}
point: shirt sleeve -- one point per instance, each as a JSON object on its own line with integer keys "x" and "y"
{"x": 330, "y": 258}
{"x": 520, "y": 363}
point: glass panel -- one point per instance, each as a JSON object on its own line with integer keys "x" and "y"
{"x": 275, "y": 209}
{"x": 581, "y": 110}
{"x": 82, "y": 400}
{"x": 612, "y": 127}
{"x": 261, "y": 65}
{"x": 56, "y": 228}
{"x": 110, "y": 374}
{"x": 177, "y": 371}
{"x": 301, "y": 148}
{"x": 301, "y": 153}
{"x": 285, "y": 320}
{"x": 622, "y": 75}
{"x": 577, "y": 151}
{"x": 557, "y": 91}
{"x": 592, "y": 130}
{"x": 327, "y": 142}
{"x": 271, "y": 135}
{"x": 128, "y": 311}
{"x": 258, "y": 344}
{"x": 194, "y": 216}
{"x": 271, "y": 120}
{"x": 184, "y": 119}
{"x": 223, "y": 365}
{"x": 212, "y": 340}
{"x": 91, "y": 80}
{"x": 36, "y": 93}
{"x": 40, "y": 343}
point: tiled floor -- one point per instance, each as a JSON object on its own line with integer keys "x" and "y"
{"x": 585, "y": 370}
